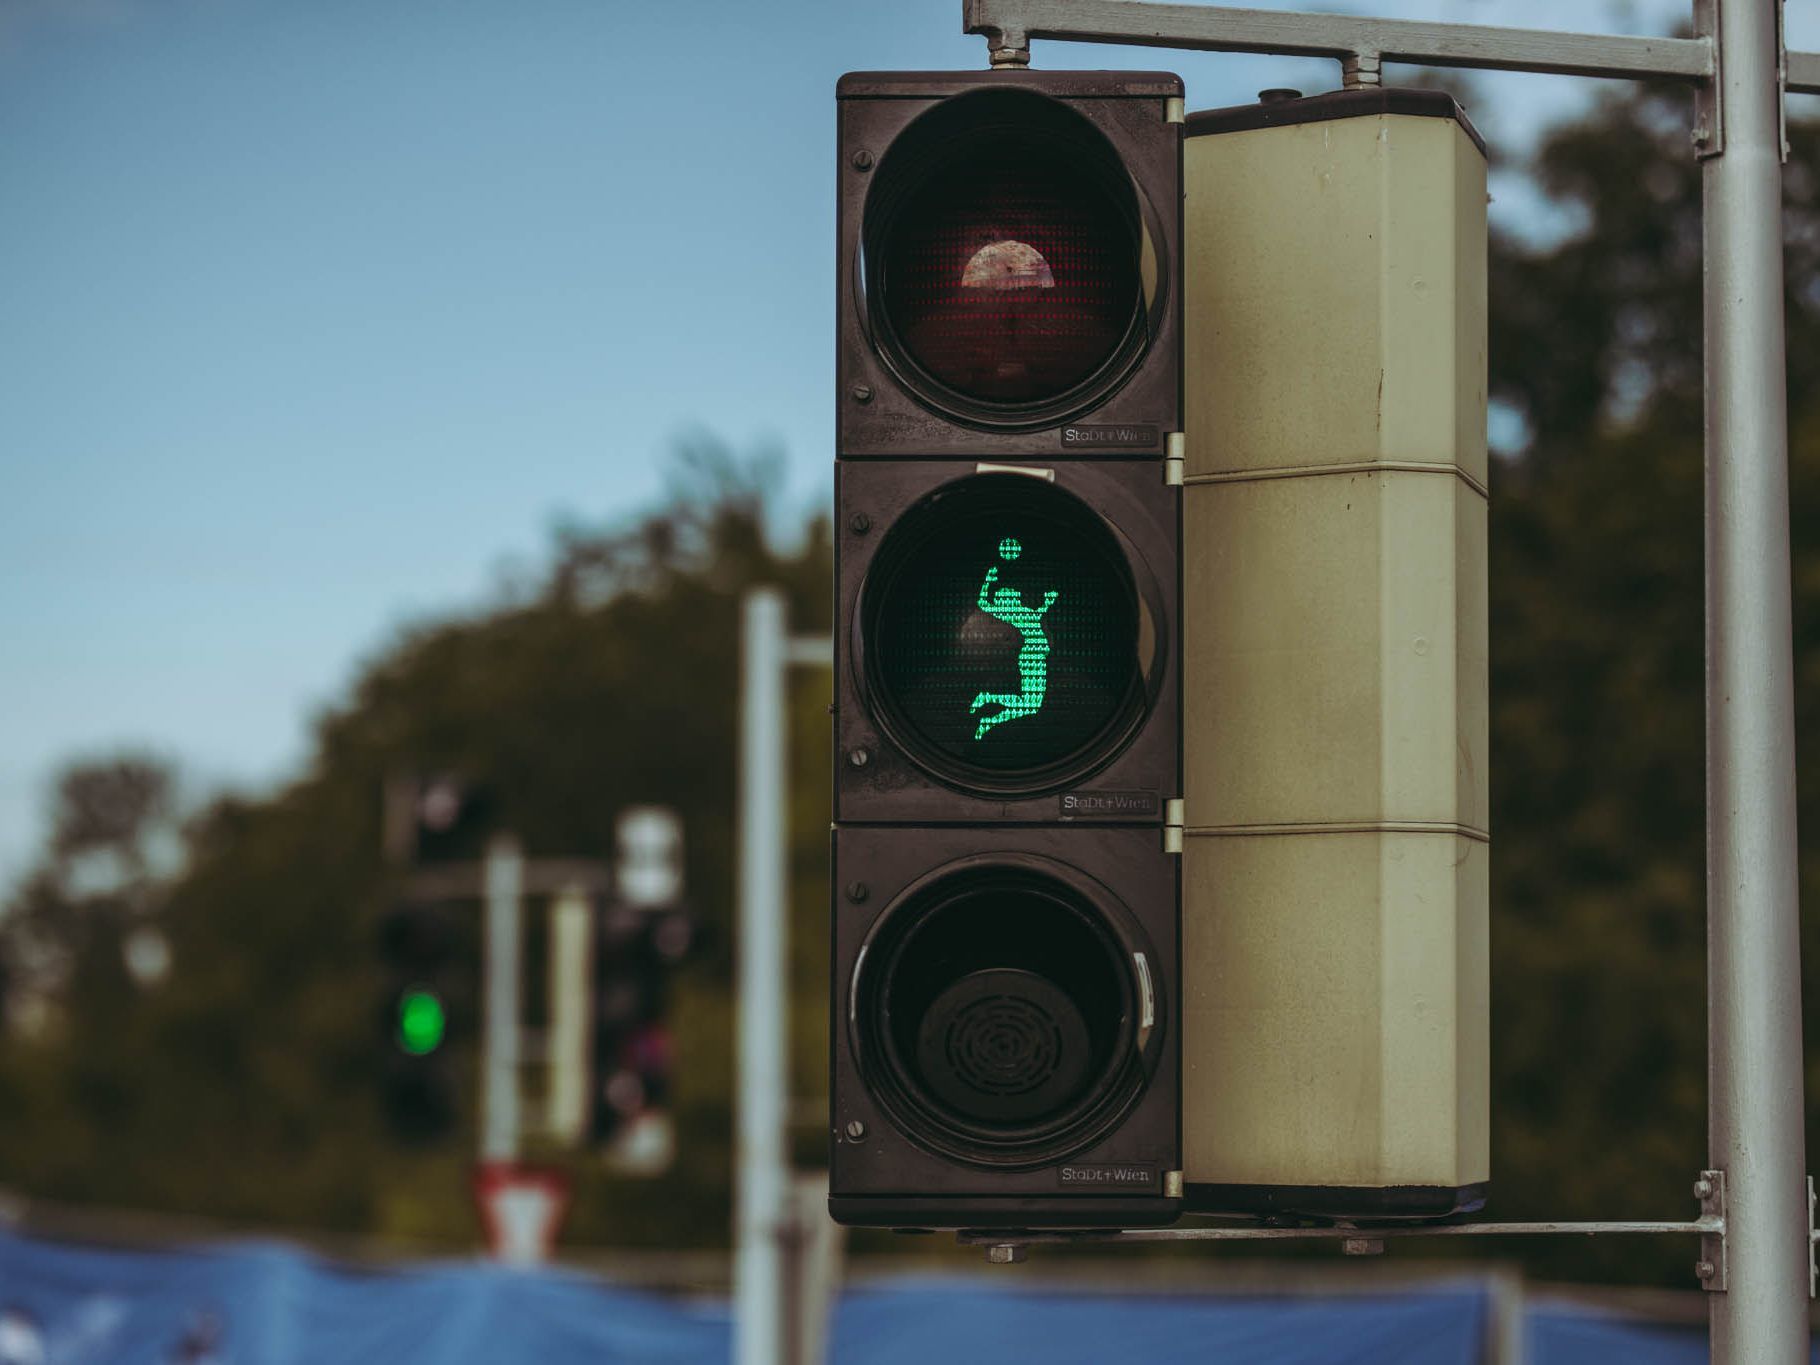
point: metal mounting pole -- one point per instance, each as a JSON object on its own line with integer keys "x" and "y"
{"x": 1755, "y": 1116}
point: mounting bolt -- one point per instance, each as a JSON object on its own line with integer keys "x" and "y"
{"x": 862, "y": 393}
{"x": 1005, "y": 1253}
{"x": 859, "y": 523}
{"x": 862, "y": 160}
{"x": 856, "y": 1131}
{"x": 859, "y": 758}
{"x": 1705, "y": 1270}
{"x": 1703, "y": 1190}
{"x": 857, "y": 892}
{"x": 1362, "y": 1246}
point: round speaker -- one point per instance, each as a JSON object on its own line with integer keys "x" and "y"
{"x": 1003, "y": 1044}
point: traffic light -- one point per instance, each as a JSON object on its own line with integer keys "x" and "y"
{"x": 439, "y": 818}
{"x": 1005, "y": 990}
{"x": 636, "y": 948}
{"x": 425, "y": 1009}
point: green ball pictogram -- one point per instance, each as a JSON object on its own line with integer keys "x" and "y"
{"x": 1008, "y": 548}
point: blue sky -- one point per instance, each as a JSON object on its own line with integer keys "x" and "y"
{"x": 314, "y": 317}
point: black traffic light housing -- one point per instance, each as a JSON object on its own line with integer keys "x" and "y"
{"x": 1005, "y": 1052}
{"x": 912, "y": 529}
{"x": 1005, "y": 992}
{"x": 1011, "y": 176}
{"x": 636, "y": 949}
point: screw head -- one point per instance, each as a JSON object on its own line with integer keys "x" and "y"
{"x": 1703, "y": 1189}
{"x": 856, "y": 1131}
{"x": 862, "y": 160}
{"x": 857, "y": 892}
{"x": 859, "y": 758}
{"x": 862, "y": 393}
{"x": 859, "y": 523}
{"x": 1705, "y": 1270}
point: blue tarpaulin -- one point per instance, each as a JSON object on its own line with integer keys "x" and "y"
{"x": 270, "y": 1304}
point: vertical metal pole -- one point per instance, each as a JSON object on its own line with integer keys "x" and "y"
{"x": 763, "y": 1177}
{"x": 1754, "y": 1124}
{"x": 499, "y": 1035}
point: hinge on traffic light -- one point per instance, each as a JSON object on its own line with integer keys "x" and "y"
{"x": 1175, "y": 814}
{"x": 1172, "y": 110}
{"x": 1175, "y": 448}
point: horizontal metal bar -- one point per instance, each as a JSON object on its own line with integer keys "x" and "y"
{"x": 1218, "y": 28}
{"x": 810, "y": 651}
{"x": 1256, "y": 1233}
{"x": 541, "y": 877}
{"x": 1804, "y": 73}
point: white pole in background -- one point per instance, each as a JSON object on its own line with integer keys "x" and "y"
{"x": 499, "y": 1025}
{"x": 762, "y": 1217}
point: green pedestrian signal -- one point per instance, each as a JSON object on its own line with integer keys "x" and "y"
{"x": 1006, "y": 635}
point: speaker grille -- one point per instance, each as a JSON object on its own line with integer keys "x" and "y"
{"x": 1004, "y": 1046}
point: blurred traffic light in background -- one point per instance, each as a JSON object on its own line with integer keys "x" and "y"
{"x": 1007, "y": 650}
{"x": 427, "y": 999}
{"x": 636, "y": 950}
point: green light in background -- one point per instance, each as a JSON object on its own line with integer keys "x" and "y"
{"x": 421, "y": 1022}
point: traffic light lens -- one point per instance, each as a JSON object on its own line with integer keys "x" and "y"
{"x": 421, "y": 1022}
{"x": 1004, "y": 635}
{"x": 997, "y": 1018}
{"x": 1004, "y": 256}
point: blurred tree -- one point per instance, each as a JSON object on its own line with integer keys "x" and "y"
{"x": 248, "y": 1087}
{"x": 1597, "y": 646}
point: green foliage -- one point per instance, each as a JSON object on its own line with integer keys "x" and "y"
{"x": 247, "y": 1086}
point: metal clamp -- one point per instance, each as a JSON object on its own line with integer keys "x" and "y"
{"x": 1709, "y": 1189}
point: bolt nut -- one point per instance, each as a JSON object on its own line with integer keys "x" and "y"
{"x": 859, "y": 758}
{"x": 857, "y": 892}
{"x": 862, "y": 160}
{"x": 1705, "y": 1270}
{"x": 862, "y": 393}
{"x": 1006, "y": 1253}
{"x": 856, "y": 1131}
{"x": 859, "y": 523}
{"x": 1703, "y": 1189}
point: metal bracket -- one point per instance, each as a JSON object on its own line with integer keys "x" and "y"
{"x": 1709, "y": 106}
{"x": 1811, "y": 1234}
{"x": 1361, "y": 70}
{"x": 1709, "y": 1189}
{"x": 1175, "y": 815}
{"x": 1007, "y": 45}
